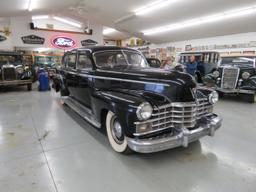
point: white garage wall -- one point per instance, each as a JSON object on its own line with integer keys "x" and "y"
{"x": 220, "y": 40}
{"x": 19, "y": 27}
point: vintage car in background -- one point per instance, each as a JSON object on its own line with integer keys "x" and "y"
{"x": 49, "y": 63}
{"x": 13, "y": 72}
{"x": 235, "y": 75}
{"x": 153, "y": 62}
{"x": 207, "y": 62}
{"x": 142, "y": 109}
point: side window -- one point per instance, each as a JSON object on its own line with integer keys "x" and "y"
{"x": 72, "y": 61}
{"x": 84, "y": 62}
{"x": 64, "y": 60}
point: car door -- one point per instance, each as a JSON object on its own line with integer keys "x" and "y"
{"x": 84, "y": 68}
{"x": 71, "y": 73}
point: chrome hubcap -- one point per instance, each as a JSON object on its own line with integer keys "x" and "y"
{"x": 117, "y": 132}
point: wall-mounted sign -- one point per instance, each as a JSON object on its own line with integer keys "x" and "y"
{"x": 33, "y": 39}
{"x": 2, "y": 38}
{"x": 88, "y": 42}
{"x": 63, "y": 42}
{"x": 188, "y": 48}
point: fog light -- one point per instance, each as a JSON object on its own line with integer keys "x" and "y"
{"x": 216, "y": 74}
{"x": 143, "y": 128}
{"x": 246, "y": 75}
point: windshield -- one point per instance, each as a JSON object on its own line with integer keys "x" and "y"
{"x": 239, "y": 61}
{"x": 10, "y": 59}
{"x": 119, "y": 58}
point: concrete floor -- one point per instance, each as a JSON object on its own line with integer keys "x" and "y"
{"x": 45, "y": 147}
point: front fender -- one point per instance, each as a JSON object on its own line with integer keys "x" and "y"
{"x": 250, "y": 84}
{"x": 123, "y": 105}
{"x": 209, "y": 80}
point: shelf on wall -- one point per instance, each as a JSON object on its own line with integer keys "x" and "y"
{"x": 63, "y": 31}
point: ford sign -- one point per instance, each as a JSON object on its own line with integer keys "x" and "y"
{"x": 63, "y": 42}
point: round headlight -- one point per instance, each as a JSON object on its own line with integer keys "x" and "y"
{"x": 246, "y": 75}
{"x": 144, "y": 111}
{"x": 216, "y": 74}
{"x": 20, "y": 70}
{"x": 213, "y": 97}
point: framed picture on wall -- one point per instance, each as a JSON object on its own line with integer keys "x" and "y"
{"x": 188, "y": 48}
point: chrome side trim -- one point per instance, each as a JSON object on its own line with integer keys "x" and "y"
{"x": 117, "y": 72}
{"x": 185, "y": 104}
{"x": 81, "y": 110}
{"x": 15, "y": 82}
{"x": 236, "y": 91}
{"x": 116, "y": 79}
{"x": 119, "y": 98}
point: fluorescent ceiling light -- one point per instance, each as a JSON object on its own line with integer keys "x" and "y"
{"x": 153, "y": 6}
{"x": 108, "y": 31}
{"x": 68, "y": 21}
{"x": 30, "y": 8}
{"x": 38, "y": 17}
{"x": 203, "y": 20}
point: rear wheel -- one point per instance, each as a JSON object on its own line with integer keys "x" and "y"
{"x": 116, "y": 135}
{"x": 29, "y": 86}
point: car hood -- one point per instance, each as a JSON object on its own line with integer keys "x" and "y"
{"x": 245, "y": 68}
{"x": 237, "y": 66}
{"x": 171, "y": 86}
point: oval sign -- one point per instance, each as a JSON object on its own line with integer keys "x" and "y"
{"x": 63, "y": 42}
{"x": 2, "y": 38}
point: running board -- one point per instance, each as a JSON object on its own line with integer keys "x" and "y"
{"x": 81, "y": 110}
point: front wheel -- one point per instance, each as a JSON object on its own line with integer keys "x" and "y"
{"x": 116, "y": 135}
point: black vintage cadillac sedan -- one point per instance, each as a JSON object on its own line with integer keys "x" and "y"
{"x": 235, "y": 75}
{"x": 142, "y": 109}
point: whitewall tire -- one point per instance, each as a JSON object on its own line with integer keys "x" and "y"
{"x": 115, "y": 134}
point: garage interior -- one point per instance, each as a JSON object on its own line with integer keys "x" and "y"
{"x": 47, "y": 147}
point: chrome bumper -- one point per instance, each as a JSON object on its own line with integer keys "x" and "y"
{"x": 15, "y": 82}
{"x": 235, "y": 91}
{"x": 183, "y": 138}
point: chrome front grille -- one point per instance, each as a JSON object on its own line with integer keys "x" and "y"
{"x": 179, "y": 115}
{"x": 9, "y": 74}
{"x": 230, "y": 78}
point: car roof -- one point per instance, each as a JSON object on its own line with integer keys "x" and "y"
{"x": 102, "y": 48}
{"x": 197, "y": 52}
{"x": 238, "y": 55}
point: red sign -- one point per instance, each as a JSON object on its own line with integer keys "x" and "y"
{"x": 63, "y": 42}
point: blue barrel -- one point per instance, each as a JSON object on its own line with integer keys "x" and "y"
{"x": 44, "y": 83}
